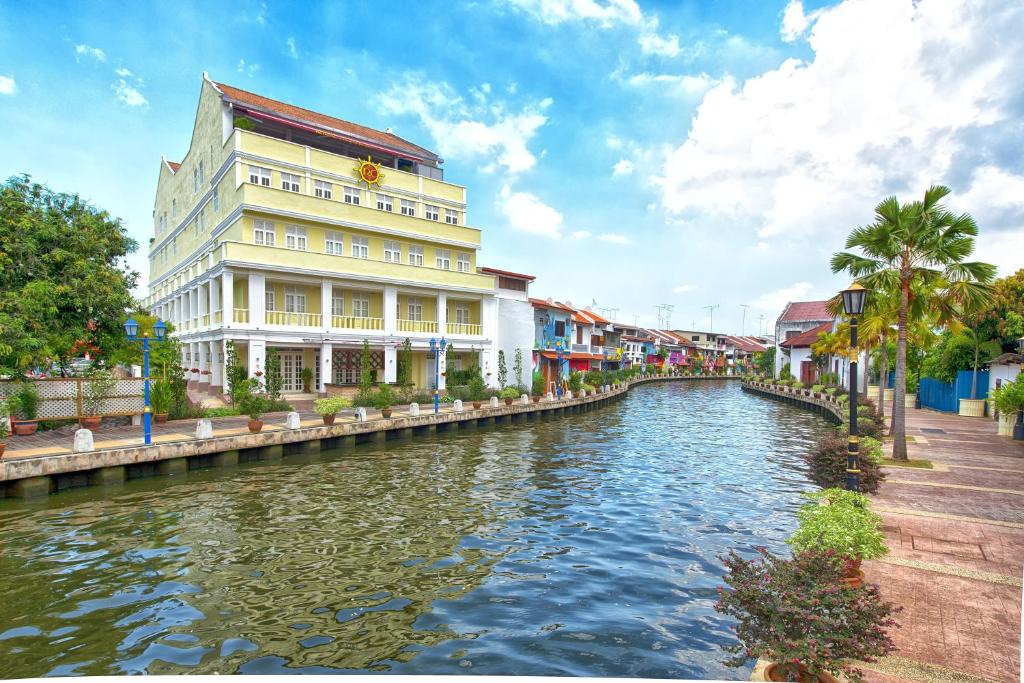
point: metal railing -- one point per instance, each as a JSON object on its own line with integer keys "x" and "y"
{"x": 351, "y": 322}
{"x": 465, "y": 328}
{"x": 425, "y": 326}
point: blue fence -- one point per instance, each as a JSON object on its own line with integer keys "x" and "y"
{"x": 946, "y": 397}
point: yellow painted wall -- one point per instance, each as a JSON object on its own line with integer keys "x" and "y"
{"x": 312, "y": 295}
{"x": 429, "y": 306}
{"x": 241, "y": 293}
{"x": 474, "y": 310}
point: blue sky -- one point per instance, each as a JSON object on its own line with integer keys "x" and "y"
{"x": 689, "y": 153}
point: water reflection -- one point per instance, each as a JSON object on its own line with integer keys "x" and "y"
{"x": 582, "y": 545}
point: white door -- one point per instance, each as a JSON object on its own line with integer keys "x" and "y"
{"x": 291, "y": 371}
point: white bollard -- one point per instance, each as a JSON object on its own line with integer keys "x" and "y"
{"x": 524, "y": 399}
{"x": 494, "y": 402}
{"x": 83, "y": 441}
{"x": 204, "y": 429}
{"x": 568, "y": 393}
{"x": 457, "y": 405}
{"x": 414, "y": 409}
{"x": 360, "y": 414}
{"x": 549, "y": 396}
{"x": 292, "y": 421}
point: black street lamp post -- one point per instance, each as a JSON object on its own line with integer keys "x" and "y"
{"x": 1018, "y": 429}
{"x": 853, "y": 305}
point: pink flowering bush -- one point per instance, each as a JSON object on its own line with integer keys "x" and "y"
{"x": 799, "y": 612}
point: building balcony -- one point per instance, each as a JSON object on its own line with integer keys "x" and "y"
{"x": 421, "y": 326}
{"x": 293, "y": 319}
{"x": 468, "y": 329}
{"x": 241, "y": 315}
{"x": 349, "y": 322}
{"x": 206, "y": 320}
{"x": 216, "y": 317}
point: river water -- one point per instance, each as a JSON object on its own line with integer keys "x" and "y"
{"x": 580, "y": 545}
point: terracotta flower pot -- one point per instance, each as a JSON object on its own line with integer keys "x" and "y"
{"x": 92, "y": 422}
{"x": 161, "y": 418}
{"x": 385, "y": 412}
{"x": 772, "y": 671}
{"x": 508, "y": 401}
{"x": 328, "y": 419}
{"x": 25, "y": 428}
{"x": 536, "y": 399}
{"x": 3, "y": 447}
{"x": 255, "y": 425}
{"x": 476, "y": 405}
{"x": 852, "y": 574}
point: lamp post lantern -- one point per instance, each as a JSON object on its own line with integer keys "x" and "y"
{"x": 438, "y": 349}
{"x": 1018, "y": 429}
{"x": 853, "y": 305}
{"x": 131, "y": 331}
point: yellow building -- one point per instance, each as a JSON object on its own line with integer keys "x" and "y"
{"x": 284, "y": 228}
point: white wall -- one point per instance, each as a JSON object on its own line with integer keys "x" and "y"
{"x": 515, "y": 331}
{"x": 1007, "y": 373}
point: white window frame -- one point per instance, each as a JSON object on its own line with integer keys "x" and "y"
{"x": 352, "y": 195}
{"x": 360, "y": 305}
{"x": 385, "y": 202}
{"x": 259, "y": 175}
{"x": 334, "y": 243}
{"x": 443, "y": 259}
{"x": 462, "y": 262}
{"x": 414, "y": 309}
{"x": 269, "y": 301}
{"x": 408, "y": 207}
{"x": 463, "y": 313}
{"x": 431, "y": 212}
{"x": 360, "y": 247}
{"x": 295, "y": 237}
{"x": 415, "y": 255}
{"x": 264, "y": 232}
{"x": 451, "y": 216}
{"x": 290, "y": 182}
{"x": 294, "y": 300}
{"x": 338, "y": 304}
{"x": 323, "y": 189}
{"x": 392, "y": 251}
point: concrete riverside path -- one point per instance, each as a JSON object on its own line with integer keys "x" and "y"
{"x": 956, "y": 547}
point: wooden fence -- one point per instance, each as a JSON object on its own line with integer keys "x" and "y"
{"x": 63, "y": 398}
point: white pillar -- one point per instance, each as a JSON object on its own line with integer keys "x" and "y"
{"x": 213, "y": 289}
{"x": 182, "y": 308}
{"x": 257, "y": 299}
{"x": 227, "y": 297}
{"x": 193, "y": 306}
{"x": 326, "y": 367}
{"x": 442, "y": 314}
{"x": 390, "y": 311}
{"x": 442, "y": 368}
{"x": 204, "y": 303}
{"x": 216, "y": 372}
{"x": 489, "y": 329}
{"x": 223, "y": 367}
{"x": 257, "y": 356}
{"x": 390, "y": 363}
{"x": 326, "y": 296}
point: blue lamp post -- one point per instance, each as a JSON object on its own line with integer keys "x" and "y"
{"x": 604, "y": 367}
{"x": 131, "y": 331}
{"x": 438, "y": 349}
{"x": 558, "y": 359}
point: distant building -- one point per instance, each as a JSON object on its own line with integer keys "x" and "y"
{"x": 798, "y": 317}
{"x": 798, "y": 350}
{"x": 739, "y": 352}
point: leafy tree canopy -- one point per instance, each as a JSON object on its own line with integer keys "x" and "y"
{"x": 1003, "y": 318}
{"x": 64, "y": 284}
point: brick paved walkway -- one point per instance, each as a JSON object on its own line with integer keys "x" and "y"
{"x": 956, "y": 536}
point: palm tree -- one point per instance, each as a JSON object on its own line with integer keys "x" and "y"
{"x": 917, "y": 243}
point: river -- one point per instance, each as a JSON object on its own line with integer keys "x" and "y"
{"x": 581, "y": 545}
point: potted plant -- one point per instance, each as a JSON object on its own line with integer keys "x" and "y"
{"x": 476, "y": 390}
{"x": 24, "y": 405}
{"x": 328, "y": 407}
{"x": 800, "y": 621}
{"x": 840, "y": 522}
{"x": 307, "y": 378}
{"x": 508, "y": 394}
{"x": 99, "y": 385}
{"x": 1008, "y": 399}
{"x": 383, "y": 400}
{"x": 252, "y": 404}
{"x": 538, "y": 387}
{"x": 160, "y": 400}
{"x": 4, "y": 431}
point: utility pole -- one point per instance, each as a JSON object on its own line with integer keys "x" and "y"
{"x": 760, "y": 325}
{"x": 711, "y": 313}
{"x": 743, "y": 327}
{"x": 668, "y": 315}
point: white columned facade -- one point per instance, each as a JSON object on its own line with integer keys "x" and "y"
{"x": 223, "y": 348}
{"x": 442, "y": 368}
{"x": 257, "y": 299}
{"x": 390, "y": 311}
{"x": 390, "y": 363}
{"x": 205, "y": 352}
{"x": 442, "y": 314}
{"x": 216, "y": 371}
{"x": 326, "y": 353}
{"x": 204, "y": 305}
{"x": 257, "y": 356}
{"x": 326, "y": 296}
{"x": 193, "y": 307}
{"x": 213, "y": 289}
{"x": 489, "y": 329}
{"x": 227, "y": 294}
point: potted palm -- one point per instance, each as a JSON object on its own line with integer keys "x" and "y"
{"x": 383, "y": 400}
{"x": 98, "y": 387}
{"x": 508, "y": 394}
{"x": 160, "y": 400}
{"x": 24, "y": 405}
{"x": 328, "y": 407}
{"x": 799, "y": 621}
{"x": 307, "y": 378}
{"x": 538, "y": 386}
{"x": 840, "y": 522}
{"x": 252, "y": 404}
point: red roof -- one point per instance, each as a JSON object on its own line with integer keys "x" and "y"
{"x": 174, "y": 166}
{"x": 508, "y": 273}
{"x": 748, "y": 344}
{"x": 544, "y": 303}
{"x": 805, "y": 339}
{"x": 357, "y": 132}
{"x": 805, "y": 311}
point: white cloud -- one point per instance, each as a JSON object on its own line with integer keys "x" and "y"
{"x": 622, "y": 167}
{"x": 605, "y": 14}
{"x": 88, "y": 51}
{"x": 683, "y": 289}
{"x": 129, "y": 95}
{"x": 794, "y": 22}
{"x": 7, "y": 85}
{"x": 613, "y": 142}
{"x": 692, "y": 85}
{"x": 293, "y": 51}
{"x": 247, "y": 69}
{"x": 581, "y": 234}
{"x": 122, "y": 72}
{"x": 526, "y": 212}
{"x": 614, "y": 238}
{"x": 777, "y": 300}
{"x": 805, "y": 151}
{"x": 995, "y": 199}
{"x": 653, "y": 44}
{"x": 464, "y": 129}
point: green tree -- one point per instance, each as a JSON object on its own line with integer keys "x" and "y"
{"x": 1003, "y": 318}
{"x": 919, "y": 242}
{"x": 64, "y": 283}
{"x": 366, "y": 374}
{"x": 502, "y": 369}
{"x": 517, "y": 368}
{"x": 405, "y": 369}
{"x": 274, "y": 378}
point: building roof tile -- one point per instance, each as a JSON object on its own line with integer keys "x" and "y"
{"x": 805, "y": 339}
{"x": 805, "y": 311}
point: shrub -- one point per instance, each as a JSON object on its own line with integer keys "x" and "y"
{"x": 871, "y": 449}
{"x": 538, "y": 388}
{"x": 477, "y": 389}
{"x": 818, "y": 388}
{"x": 279, "y": 406}
{"x": 575, "y": 381}
{"x": 508, "y": 392}
{"x": 250, "y": 402}
{"x": 98, "y": 387}
{"x": 502, "y": 370}
{"x": 785, "y": 373}
{"x": 798, "y": 611}
{"x": 839, "y": 521}
{"x": 160, "y": 396}
{"x": 589, "y": 388}
{"x": 24, "y": 403}
{"x": 330, "y": 405}
{"x": 1009, "y": 397}
{"x": 384, "y": 397}
{"x": 827, "y": 463}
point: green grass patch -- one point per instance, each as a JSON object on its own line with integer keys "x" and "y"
{"x": 919, "y": 464}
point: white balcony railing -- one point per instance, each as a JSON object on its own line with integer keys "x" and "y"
{"x": 241, "y": 315}
{"x": 350, "y": 322}
{"x": 293, "y": 319}
{"x": 465, "y": 328}
{"x": 424, "y": 326}
{"x": 581, "y": 348}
